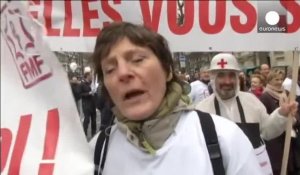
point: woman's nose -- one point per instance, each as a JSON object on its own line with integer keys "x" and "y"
{"x": 124, "y": 72}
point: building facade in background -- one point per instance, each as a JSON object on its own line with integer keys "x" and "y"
{"x": 190, "y": 62}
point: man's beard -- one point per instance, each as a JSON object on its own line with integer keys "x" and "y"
{"x": 226, "y": 94}
{"x": 205, "y": 81}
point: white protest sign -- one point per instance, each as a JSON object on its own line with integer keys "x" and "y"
{"x": 40, "y": 128}
{"x": 208, "y": 25}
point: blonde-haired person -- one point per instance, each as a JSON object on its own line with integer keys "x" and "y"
{"x": 257, "y": 84}
{"x": 274, "y": 92}
{"x": 274, "y": 95}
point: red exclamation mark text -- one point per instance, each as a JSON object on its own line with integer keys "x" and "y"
{"x": 50, "y": 144}
{"x": 20, "y": 143}
{"x": 6, "y": 137}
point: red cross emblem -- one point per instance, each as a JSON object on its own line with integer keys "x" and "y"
{"x": 222, "y": 63}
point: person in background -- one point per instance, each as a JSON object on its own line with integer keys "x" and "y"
{"x": 182, "y": 75}
{"x": 243, "y": 107}
{"x": 88, "y": 104}
{"x": 204, "y": 74}
{"x": 299, "y": 77}
{"x": 287, "y": 83}
{"x": 273, "y": 97}
{"x": 242, "y": 81}
{"x": 257, "y": 85}
{"x": 205, "y": 78}
{"x": 264, "y": 71}
{"x": 199, "y": 88}
{"x": 196, "y": 76}
{"x": 256, "y": 71}
{"x": 75, "y": 87}
{"x": 156, "y": 129}
{"x": 104, "y": 105}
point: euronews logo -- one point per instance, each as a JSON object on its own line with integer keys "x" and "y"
{"x": 271, "y": 19}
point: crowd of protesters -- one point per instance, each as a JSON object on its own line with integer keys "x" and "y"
{"x": 89, "y": 98}
{"x": 270, "y": 87}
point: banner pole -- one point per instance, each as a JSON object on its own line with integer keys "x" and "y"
{"x": 292, "y": 96}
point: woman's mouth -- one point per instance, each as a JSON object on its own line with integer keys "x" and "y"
{"x": 132, "y": 94}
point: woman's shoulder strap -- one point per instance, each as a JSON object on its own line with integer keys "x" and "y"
{"x": 212, "y": 143}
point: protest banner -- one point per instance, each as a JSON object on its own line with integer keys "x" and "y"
{"x": 40, "y": 128}
{"x": 207, "y": 25}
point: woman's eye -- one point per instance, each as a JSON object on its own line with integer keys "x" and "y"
{"x": 109, "y": 70}
{"x": 138, "y": 58}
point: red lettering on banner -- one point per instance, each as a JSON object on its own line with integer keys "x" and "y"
{"x": 188, "y": 17}
{"x": 151, "y": 21}
{"x": 35, "y": 13}
{"x": 204, "y": 17}
{"x": 110, "y": 12}
{"x": 20, "y": 42}
{"x": 48, "y": 19}
{"x": 31, "y": 67}
{"x": 50, "y": 144}
{"x": 5, "y": 142}
{"x": 68, "y": 30}
{"x": 294, "y": 8}
{"x": 19, "y": 146}
{"x": 87, "y": 16}
{"x": 249, "y": 11}
{"x": 152, "y": 15}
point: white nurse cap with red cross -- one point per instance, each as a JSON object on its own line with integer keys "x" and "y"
{"x": 224, "y": 61}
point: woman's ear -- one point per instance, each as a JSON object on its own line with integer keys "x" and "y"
{"x": 170, "y": 75}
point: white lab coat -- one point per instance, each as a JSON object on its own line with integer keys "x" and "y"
{"x": 270, "y": 126}
{"x": 199, "y": 91}
{"x": 184, "y": 152}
